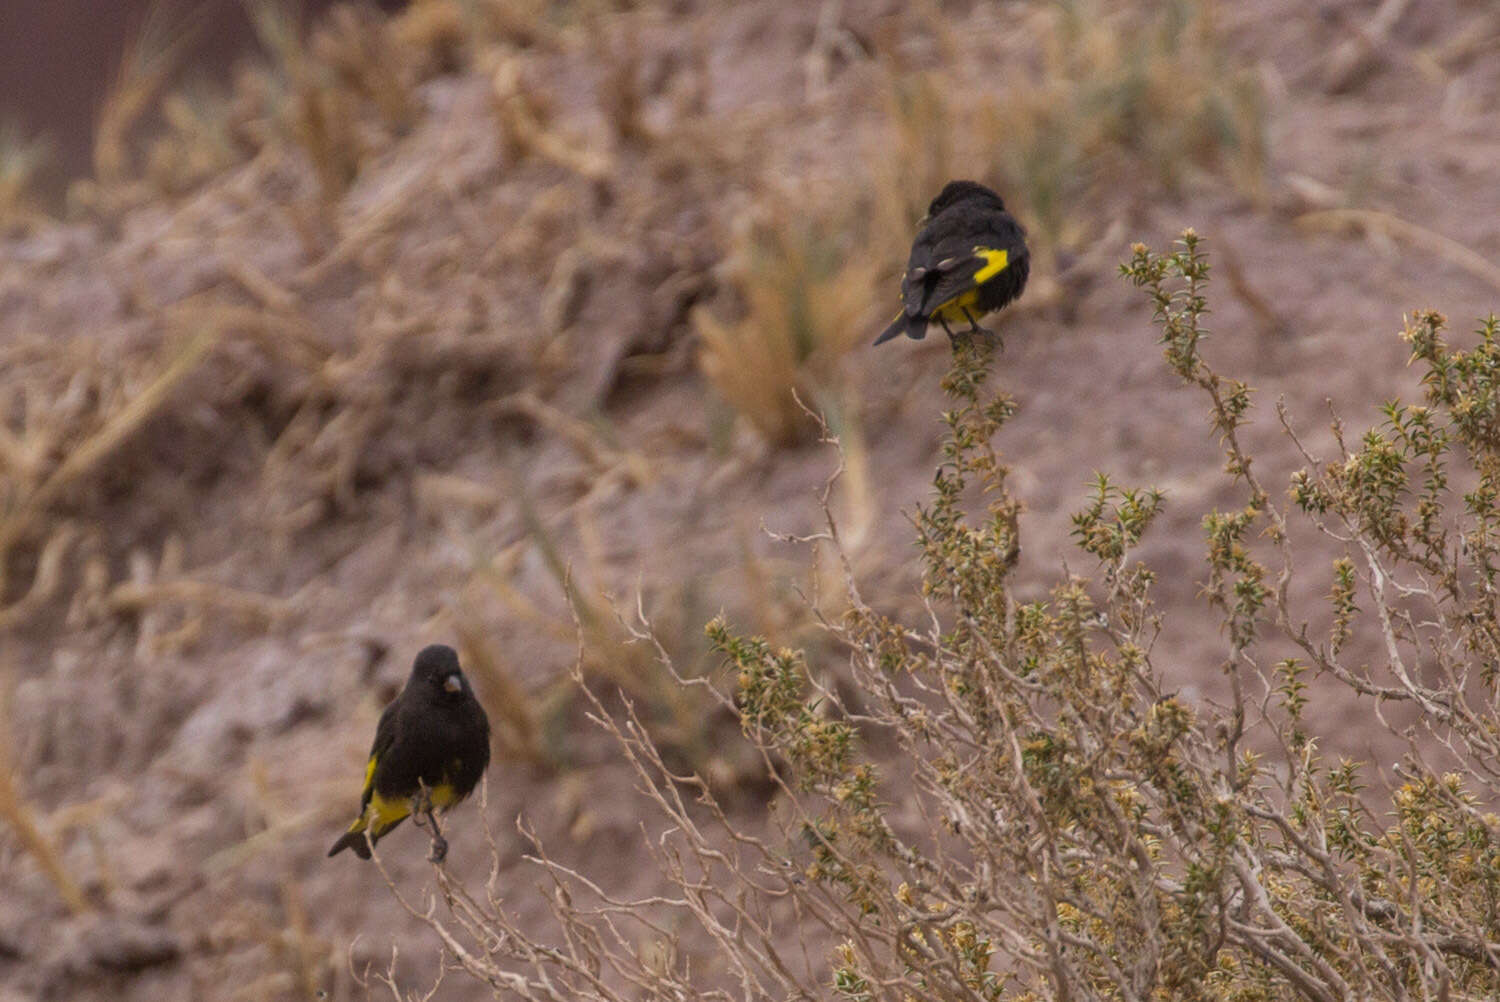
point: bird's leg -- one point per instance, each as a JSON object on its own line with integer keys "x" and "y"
{"x": 961, "y": 339}
{"x": 974, "y": 328}
{"x": 422, "y": 806}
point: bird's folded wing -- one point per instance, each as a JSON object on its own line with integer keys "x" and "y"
{"x": 956, "y": 274}
{"x": 385, "y": 736}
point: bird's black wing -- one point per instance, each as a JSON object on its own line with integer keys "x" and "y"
{"x": 385, "y": 737}
{"x": 965, "y": 254}
{"x": 473, "y": 755}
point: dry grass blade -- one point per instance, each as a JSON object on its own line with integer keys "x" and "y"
{"x": 17, "y": 813}
{"x": 170, "y": 27}
{"x": 107, "y": 439}
{"x": 525, "y": 132}
{"x": 360, "y": 48}
{"x": 381, "y": 217}
{"x": 273, "y": 837}
{"x": 755, "y": 371}
{"x": 584, "y": 437}
{"x": 1369, "y": 221}
{"x": 1479, "y": 37}
{"x": 45, "y": 582}
{"x": 197, "y": 142}
{"x": 1355, "y": 58}
{"x": 256, "y": 282}
{"x": 508, "y": 699}
{"x": 22, "y": 160}
{"x": 290, "y": 338}
{"x": 312, "y": 109}
{"x": 807, "y": 304}
{"x": 135, "y": 597}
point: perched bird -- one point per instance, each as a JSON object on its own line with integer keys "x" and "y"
{"x": 969, "y": 259}
{"x": 431, "y": 746}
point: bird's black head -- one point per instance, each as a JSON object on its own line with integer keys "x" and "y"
{"x": 436, "y": 670}
{"x": 960, "y": 191}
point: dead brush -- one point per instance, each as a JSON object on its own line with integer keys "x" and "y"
{"x": 338, "y": 96}
{"x": 150, "y": 62}
{"x": 73, "y": 409}
{"x": 608, "y": 653}
{"x": 806, "y": 287}
{"x": 441, "y": 33}
{"x": 22, "y": 161}
{"x": 363, "y": 54}
{"x": 1056, "y": 821}
{"x": 197, "y": 141}
{"x": 621, "y": 95}
{"x": 918, "y": 156}
{"x": 518, "y": 734}
{"x": 1091, "y": 92}
{"x": 1123, "y": 88}
{"x": 565, "y": 545}
{"x": 313, "y": 112}
{"x": 526, "y": 128}
{"x": 17, "y": 814}
{"x": 62, "y": 438}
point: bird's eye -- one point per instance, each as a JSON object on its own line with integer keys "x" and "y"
{"x": 453, "y": 683}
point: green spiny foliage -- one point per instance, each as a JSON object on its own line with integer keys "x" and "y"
{"x": 1099, "y": 837}
{"x": 1056, "y": 822}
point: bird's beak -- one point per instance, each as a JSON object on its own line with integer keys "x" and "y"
{"x": 454, "y": 683}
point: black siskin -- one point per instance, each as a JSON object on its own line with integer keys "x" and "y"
{"x": 431, "y": 747}
{"x": 969, "y": 259}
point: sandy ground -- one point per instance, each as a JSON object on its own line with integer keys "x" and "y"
{"x": 248, "y": 576}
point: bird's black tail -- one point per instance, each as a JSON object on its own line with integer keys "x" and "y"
{"x": 352, "y": 840}
{"x": 912, "y": 327}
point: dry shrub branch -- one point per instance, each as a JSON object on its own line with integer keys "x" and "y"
{"x": 1055, "y": 823}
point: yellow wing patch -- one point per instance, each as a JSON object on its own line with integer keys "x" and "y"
{"x": 384, "y": 812}
{"x": 444, "y": 795}
{"x": 380, "y": 812}
{"x": 953, "y": 310}
{"x": 995, "y": 261}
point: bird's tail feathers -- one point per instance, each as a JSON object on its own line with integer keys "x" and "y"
{"x": 913, "y": 327}
{"x": 354, "y": 839}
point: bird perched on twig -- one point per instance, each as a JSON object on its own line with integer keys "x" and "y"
{"x": 969, "y": 259}
{"x": 431, "y": 748}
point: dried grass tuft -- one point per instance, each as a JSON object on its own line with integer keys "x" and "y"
{"x": 30, "y": 496}
{"x": 23, "y": 159}
{"x": 169, "y": 28}
{"x": 1093, "y": 91}
{"x": 17, "y": 813}
{"x": 807, "y": 287}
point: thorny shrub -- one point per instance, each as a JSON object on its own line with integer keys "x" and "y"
{"x": 1057, "y": 825}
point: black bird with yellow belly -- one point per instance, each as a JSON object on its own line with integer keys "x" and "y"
{"x": 431, "y": 748}
{"x": 969, "y": 259}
